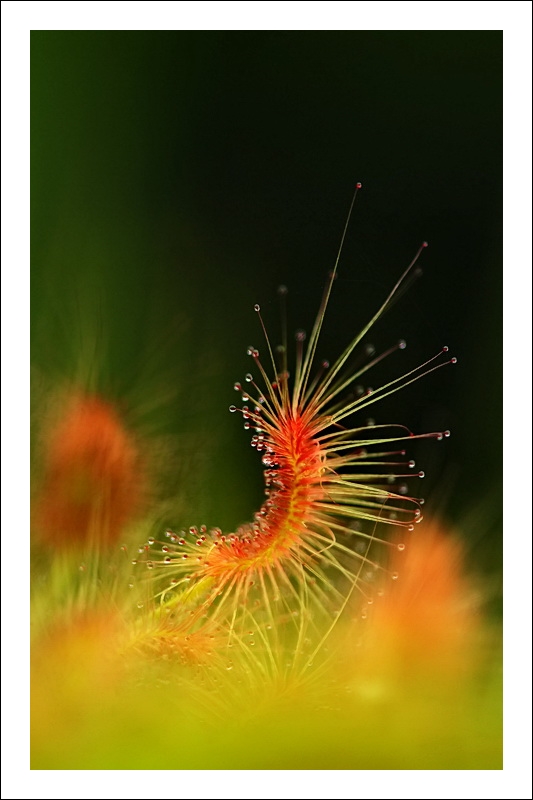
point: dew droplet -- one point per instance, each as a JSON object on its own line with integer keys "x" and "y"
{"x": 401, "y": 546}
{"x": 233, "y": 409}
{"x": 421, "y": 474}
{"x": 394, "y": 576}
{"x": 151, "y": 540}
{"x": 257, "y": 307}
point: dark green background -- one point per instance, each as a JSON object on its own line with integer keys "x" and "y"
{"x": 179, "y": 176}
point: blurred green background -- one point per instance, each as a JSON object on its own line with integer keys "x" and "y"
{"x": 178, "y": 177}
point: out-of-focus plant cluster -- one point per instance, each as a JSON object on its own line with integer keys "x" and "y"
{"x": 407, "y": 678}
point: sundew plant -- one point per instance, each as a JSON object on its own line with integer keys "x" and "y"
{"x": 336, "y": 629}
{"x": 306, "y": 550}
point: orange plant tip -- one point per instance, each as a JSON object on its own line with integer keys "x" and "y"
{"x": 428, "y": 621}
{"x": 92, "y": 483}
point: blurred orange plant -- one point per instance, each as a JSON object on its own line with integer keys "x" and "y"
{"x": 92, "y": 482}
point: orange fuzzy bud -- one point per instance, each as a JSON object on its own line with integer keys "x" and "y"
{"x": 92, "y": 484}
{"x": 426, "y": 622}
